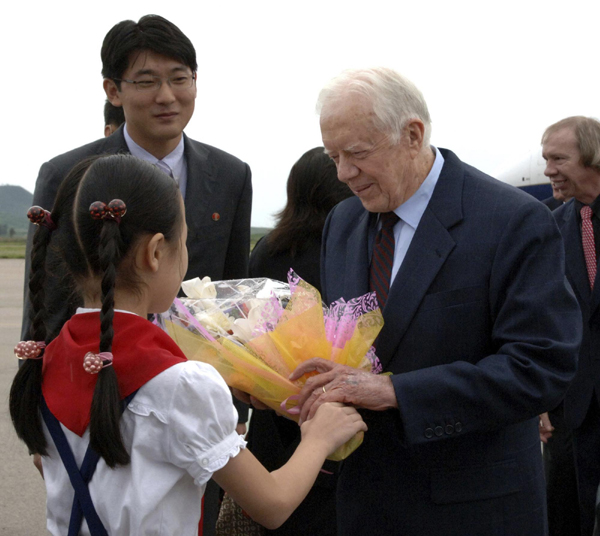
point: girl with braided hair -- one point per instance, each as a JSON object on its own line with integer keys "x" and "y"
{"x": 130, "y": 431}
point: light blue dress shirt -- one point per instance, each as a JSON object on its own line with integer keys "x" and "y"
{"x": 411, "y": 211}
{"x": 175, "y": 159}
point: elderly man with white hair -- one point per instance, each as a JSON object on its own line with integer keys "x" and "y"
{"x": 481, "y": 330}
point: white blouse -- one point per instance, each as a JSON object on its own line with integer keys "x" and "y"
{"x": 179, "y": 430}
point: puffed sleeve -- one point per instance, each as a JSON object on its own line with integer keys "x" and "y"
{"x": 202, "y": 422}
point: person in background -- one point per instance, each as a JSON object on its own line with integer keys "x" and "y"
{"x": 481, "y": 329}
{"x": 571, "y": 148}
{"x": 557, "y": 199}
{"x": 312, "y": 191}
{"x": 557, "y": 449}
{"x": 150, "y": 70}
{"x": 113, "y": 118}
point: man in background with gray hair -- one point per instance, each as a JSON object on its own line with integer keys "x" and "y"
{"x": 481, "y": 331}
{"x": 571, "y": 149}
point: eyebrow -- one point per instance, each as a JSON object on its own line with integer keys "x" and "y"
{"x": 180, "y": 68}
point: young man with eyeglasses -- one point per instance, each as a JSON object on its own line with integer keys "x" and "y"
{"x": 149, "y": 69}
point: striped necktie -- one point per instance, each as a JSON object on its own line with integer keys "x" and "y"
{"x": 383, "y": 258}
{"x": 589, "y": 244}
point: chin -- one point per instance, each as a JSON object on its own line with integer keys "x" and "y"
{"x": 374, "y": 206}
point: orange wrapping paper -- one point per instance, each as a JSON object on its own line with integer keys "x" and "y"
{"x": 261, "y": 366}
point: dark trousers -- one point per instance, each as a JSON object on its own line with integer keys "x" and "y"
{"x": 561, "y": 480}
{"x": 586, "y": 442}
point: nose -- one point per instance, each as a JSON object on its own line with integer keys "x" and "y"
{"x": 346, "y": 170}
{"x": 165, "y": 94}
{"x": 550, "y": 169}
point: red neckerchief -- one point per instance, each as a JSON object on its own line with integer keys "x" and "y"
{"x": 141, "y": 351}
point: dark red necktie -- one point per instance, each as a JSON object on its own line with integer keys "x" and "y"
{"x": 383, "y": 258}
{"x": 589, "y": 245}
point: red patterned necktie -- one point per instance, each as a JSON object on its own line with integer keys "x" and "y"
{"x": 589, "y": 245}
{"x": 383, "y": 258}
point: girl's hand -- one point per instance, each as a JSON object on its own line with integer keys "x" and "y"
{"x": 333, "y": 425}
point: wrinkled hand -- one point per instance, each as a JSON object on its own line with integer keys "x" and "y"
{"x": 247, "y": 399}
{"x": 340, "y": 383}
{"x": 545, "y": 428}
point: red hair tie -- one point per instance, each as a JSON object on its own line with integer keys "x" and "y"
{"x": 42, "y": 217}
{"x": 30, "y": 350}
{"x": 94, "y": 363}
{"x": 115, "y": 210}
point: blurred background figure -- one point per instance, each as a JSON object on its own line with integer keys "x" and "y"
{"x": 571, "y": 149}
{"x": 557, "y": 199}
{"x": 114, "y": 117}
{"x": 312, "y": 191}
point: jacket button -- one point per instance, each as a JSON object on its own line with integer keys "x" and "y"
{"x": 428, "y": 433}
{"x": 458, "y": 427}
{"x": 439, "y": 431}
{"x": 449, "y": 429}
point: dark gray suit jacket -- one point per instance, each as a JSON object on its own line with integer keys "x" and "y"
{"x": 216, "y": 183}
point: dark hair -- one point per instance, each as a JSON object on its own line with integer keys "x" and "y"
{"x": 26, "y": 390}
{"x": 113, "y": 115}
{"x": 313, "y": 189}
{"x": 101, "y": 250}
{"x": 153, "y": 33}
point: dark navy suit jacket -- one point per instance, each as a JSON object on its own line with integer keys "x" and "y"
{"x": 587, "y": 381}
{"x": 481, "y": 334}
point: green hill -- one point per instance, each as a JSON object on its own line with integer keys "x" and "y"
{"x": 14, "y": 203}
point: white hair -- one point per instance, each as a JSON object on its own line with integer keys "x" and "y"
{"x": 395, "y": 99}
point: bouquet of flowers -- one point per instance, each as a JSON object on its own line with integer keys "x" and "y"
{"x": 255, "y": 332}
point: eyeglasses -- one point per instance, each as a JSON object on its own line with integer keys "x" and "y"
{"x": 153, "y": 83}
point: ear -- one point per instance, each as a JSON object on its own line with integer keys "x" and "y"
{"x": 108, "y": 130}
{"x": 112, "y": 92}
{"x": 150, "y": 253}
{"x": 414, "y": 132}
{"x": 195, "y": 84}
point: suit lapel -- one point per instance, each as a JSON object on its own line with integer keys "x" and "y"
{"x": 574, "y": 259}
{"x": 357, "y": 256}
{"x": 201, "y": 185}
{"x": 428, "y": 251}
{"x": 114, "y": 144}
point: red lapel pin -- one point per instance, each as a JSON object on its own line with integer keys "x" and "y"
{"x": 216, "y": 216}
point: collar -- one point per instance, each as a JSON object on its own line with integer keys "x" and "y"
{"x": 174, "y": 159}
{"x": 594, "y": 205}
{"x": 411, "y": 211}
{"x": 141, "y": 352}
{"x": 82, "y": 310}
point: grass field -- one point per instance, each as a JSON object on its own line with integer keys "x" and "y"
{"x": 12, "y": 249}
{"x": 15, "y": 248}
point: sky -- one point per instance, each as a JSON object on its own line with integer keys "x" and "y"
{"x": 494, "y": 74}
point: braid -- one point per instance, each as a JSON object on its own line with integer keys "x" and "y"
{"x": 26, "y": 390}
{"x": 105, "y": 433}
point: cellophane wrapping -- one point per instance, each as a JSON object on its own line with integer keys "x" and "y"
{"x": 255, "y": 332}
